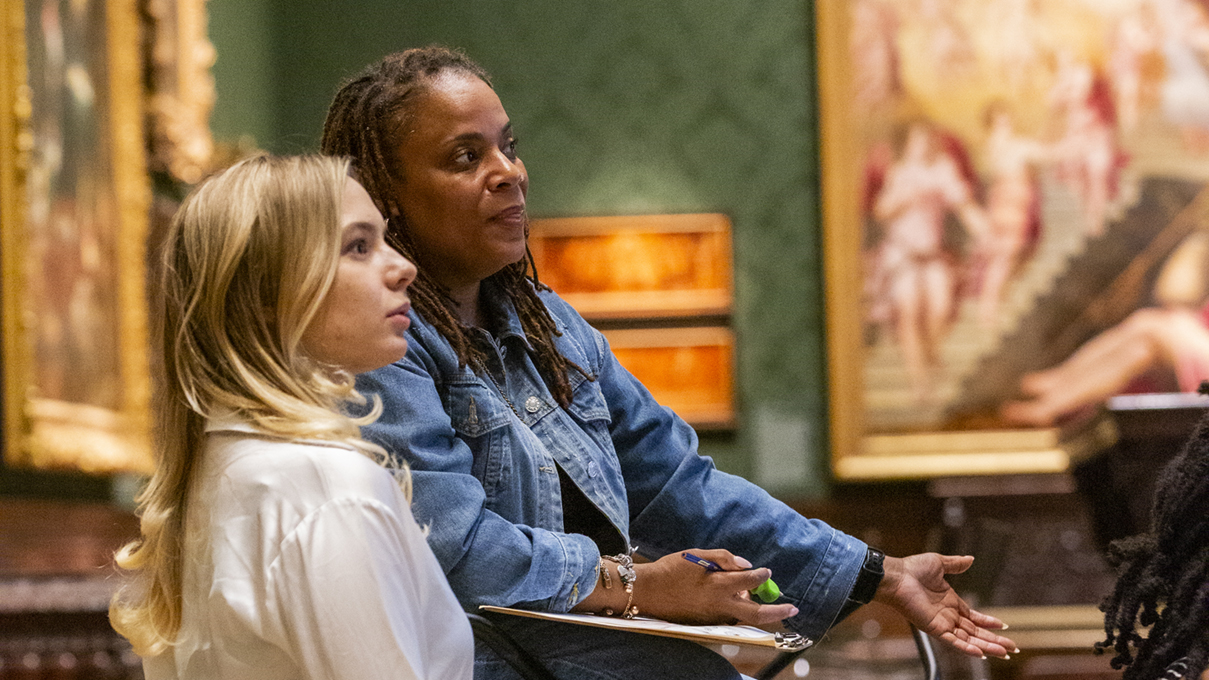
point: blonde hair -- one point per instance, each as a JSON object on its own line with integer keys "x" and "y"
{"x": 246, "y": 263}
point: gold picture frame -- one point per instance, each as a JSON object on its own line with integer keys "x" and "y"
{"x": 1057, "y": 157}
{"x": 641, "y": 266}
{"x": 660, "y": 289}
{"x": 183, "y": 93}
{"x": 75, "y": 207}
{"x": 689, "y": 370}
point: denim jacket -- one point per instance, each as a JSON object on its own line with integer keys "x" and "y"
{"x": 486, "y": 485}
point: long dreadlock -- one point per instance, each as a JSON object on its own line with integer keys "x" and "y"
{"x": 367, "y": 121}
{"x": 1164, "y": 575}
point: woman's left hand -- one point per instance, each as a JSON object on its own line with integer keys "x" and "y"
{"x": 916, "y": 587}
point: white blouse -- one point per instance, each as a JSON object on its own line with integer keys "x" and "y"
{"x": 302, "y": 560}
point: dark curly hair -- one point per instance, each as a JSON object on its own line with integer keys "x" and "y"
{"x": 1164, "y": 575}
{"x": 367, "y": 121}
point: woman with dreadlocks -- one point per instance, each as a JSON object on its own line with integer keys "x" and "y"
{"x": 537, "y": 459}
{"x": 1164, "y": 577}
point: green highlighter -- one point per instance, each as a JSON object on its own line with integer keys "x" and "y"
{"x": 767, "y": 591}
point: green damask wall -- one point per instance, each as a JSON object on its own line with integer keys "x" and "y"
{"x": 629, "y": 106}
{"x": 241, "y": 31}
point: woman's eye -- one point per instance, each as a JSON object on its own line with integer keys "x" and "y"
{"x": 510, "y": 149}
{"x": 466, "y": 156}
{"x": 358, "y": 247}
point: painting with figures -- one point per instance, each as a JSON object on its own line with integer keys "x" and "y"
{"x": 74, "y": 199}
{"x": 1013, "y": 220}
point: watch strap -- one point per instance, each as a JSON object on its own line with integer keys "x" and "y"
{"x": 870, "y": 577}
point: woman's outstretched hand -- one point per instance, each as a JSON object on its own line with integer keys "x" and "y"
{"x": 916, "y": 587}
{"x": 675, "y": 589}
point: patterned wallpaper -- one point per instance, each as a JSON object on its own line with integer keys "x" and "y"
{"x": 633, "y": 106}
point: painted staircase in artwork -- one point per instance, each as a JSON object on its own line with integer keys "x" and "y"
{"x": 979, "y": 366}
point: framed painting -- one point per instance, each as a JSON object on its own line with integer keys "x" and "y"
{"x": 643, "y": 266}
{"x": 75, "y": 203}
{"x": 689, "y": 370}
{"x": 660, "y": 289}
{"x": 182, "y": 89}
{"x": 1014, "y": 215}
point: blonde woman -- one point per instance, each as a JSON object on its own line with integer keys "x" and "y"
{"x": 274, "y": 544}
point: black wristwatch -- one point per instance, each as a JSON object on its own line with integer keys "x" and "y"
{"x": 870, "y": 577}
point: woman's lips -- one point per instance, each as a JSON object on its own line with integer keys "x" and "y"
{"x": 400, "y": 314}
{"x": 513, "y": 215}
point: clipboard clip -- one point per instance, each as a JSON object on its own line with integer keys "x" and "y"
{"x": 791, "y": 642}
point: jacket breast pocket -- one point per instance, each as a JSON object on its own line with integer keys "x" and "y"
{"x": 588, "y": 406}
{"x": 481, "y": 420}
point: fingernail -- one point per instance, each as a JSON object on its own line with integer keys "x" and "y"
{"x": 742, "y": 562}
{"x": 984, "y": 657}
{"x": 793, "y": 612}
{"x": 1005, "y": 627}
{"x": 1007, "y": 657}
{"x": 1016, "y": 650}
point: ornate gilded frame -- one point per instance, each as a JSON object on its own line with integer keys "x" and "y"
{"x": 182, "y": 88}
{"x": 43, "y": 429}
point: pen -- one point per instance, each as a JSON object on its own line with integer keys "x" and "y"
{"x": 766, "y": 591}
{"x": 709, "y": 566}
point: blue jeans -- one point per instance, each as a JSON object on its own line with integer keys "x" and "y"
{"x": 574, "y": 652}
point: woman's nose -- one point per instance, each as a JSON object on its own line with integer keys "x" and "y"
{"x": 400, "y": 270}
{"x": 509, "y": 173}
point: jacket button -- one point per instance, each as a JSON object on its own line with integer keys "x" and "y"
{"x": 593, "y": 468}
{"x": 533, "y": 404}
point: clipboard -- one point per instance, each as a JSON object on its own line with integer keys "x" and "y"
{"x": 732, "y": 635}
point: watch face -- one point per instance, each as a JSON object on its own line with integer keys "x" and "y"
{"x": 874, "y": 560}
